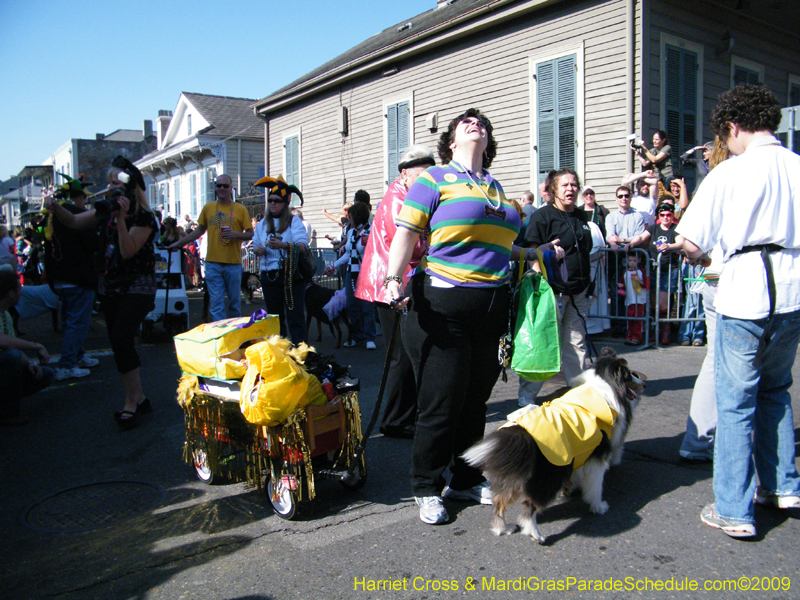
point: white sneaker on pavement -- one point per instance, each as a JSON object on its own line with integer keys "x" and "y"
{"x": 768, "y": 498}
{"x": 481, "y": 493}
{"x": 74, "y": 372}
{"x": 88, "y": 361}
{"x": 431, "y": 510}
{"x": 371, "y": 346}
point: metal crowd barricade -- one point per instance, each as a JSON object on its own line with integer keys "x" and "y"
{"x": 614, "y": 307}
{"x": 678, "y": 299}
{"x": 322, "y": 257}
{"x": 250, "y": 262}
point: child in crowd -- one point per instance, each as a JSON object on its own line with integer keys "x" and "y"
{"x": 634, "y": 286}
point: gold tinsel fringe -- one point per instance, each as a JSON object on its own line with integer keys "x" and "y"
{"x": 243, "y": 452}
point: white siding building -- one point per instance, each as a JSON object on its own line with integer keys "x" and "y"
{"x": 205, "y": 136}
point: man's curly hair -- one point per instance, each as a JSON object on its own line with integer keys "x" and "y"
{"x": 447, "y": 138}
{"x": 751, "y": 107}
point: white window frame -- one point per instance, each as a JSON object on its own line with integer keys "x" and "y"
{"x": 738, "y": 61}
{"x": 683, "y": 44}
{"x": 387, "y": 102}
{"x": 580, "y": 108}
{"x": 298, "y": 133}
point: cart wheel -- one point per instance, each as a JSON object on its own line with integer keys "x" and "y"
{"x": 201, "y": 466}
{"x": 147, "y": 331}
{"x": 285, "y": 506}
{"x": 361, "y": 475}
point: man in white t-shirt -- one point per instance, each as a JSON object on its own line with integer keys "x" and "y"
{"x": 646, "y": 198}
{"x": 750, "y": 205}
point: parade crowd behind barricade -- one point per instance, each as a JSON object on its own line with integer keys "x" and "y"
{"x": 641, "y": 271}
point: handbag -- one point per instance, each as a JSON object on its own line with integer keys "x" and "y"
{"x": 302, "y": 267}
{"x": 536, "y": 353}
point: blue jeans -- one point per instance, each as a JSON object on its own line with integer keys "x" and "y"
{"x": 692, "y": 330}
{"x": 360, "y": 312}
{"x": 222, "y": 279}
{"x": 77, "y": 306}
{"x": 753, "y": 373}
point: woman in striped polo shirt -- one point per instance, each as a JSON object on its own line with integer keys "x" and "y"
{"x": 459, "y": 309}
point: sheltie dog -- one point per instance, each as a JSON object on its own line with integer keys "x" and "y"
{"x": 537, "y": 467}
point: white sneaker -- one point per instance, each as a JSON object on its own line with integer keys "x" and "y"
{"x": 768, "y": 498}
{"x": 525, "y": 401}
{"x": 88, "y": 361}
{"x": 481, "y": 493}
{"x": 371, "y": 346}
{"x": 431, "y": 510}
{"x": 74, "y": 372}
{"x": 350, "y": 344}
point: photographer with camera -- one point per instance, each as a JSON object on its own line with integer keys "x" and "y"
{"x": 659, "y": 159}
{"x": 127, "y": 285}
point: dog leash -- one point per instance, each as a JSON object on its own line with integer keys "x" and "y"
{"x": 349, "y": 474}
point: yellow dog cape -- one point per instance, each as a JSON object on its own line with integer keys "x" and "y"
{"x": 569, "y": 428}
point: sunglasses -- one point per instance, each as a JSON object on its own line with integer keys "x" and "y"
{"x": 224, "y": 186}
{"x": 666, "y": 214}
{"x": 624, "y": 196}
{"x": 275, "y": 201}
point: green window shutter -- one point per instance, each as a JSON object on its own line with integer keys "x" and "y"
{"x": 292, "y": 149}
{"x": 557, "y": 93}
{"x": 681, "y": 106}
{"x": 398, "y": 136}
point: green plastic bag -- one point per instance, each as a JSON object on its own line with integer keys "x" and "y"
{"x": 537, "y": 342}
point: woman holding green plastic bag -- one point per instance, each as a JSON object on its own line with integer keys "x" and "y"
{"x": 564, "y": 227}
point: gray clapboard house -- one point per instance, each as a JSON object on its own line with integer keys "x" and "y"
{"x": 563, "y": 81}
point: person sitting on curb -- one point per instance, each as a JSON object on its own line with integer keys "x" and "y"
{"x": 21, "y": 376}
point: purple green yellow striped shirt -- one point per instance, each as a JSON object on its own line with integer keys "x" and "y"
{"x": 470, "y": 242}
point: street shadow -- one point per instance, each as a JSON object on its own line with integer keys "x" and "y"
{"x": 138, "y": 554}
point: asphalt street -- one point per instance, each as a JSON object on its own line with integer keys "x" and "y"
{"x": 90, "y": 511}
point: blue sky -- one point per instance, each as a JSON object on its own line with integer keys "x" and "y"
{"x": 74, "y": 68}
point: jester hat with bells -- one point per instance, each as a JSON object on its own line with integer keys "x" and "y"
{"x": 277, "y": 186}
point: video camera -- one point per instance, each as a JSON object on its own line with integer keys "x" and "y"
{"x": 635, "y": 143}
{"x": 110, "y": 204}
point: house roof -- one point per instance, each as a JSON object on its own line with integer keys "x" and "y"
{"x": 227, "y": 116}
{"x": 392, "y": 38}
{"x": 125, "y": 135}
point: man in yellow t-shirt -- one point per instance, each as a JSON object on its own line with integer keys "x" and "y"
{"x": 228, "y": 224}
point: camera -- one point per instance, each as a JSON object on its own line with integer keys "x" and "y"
{"x": 635, "y": 143}
{"x": 110, "y": 204}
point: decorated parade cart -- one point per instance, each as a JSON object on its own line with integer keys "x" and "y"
{"x": 261, "y": 411}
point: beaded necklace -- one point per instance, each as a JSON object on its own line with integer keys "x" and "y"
{"x": 289, "y": 265}
{"x": 222, "y": 240}
{"x": 489, "y": 202}
{"x": 8, "y": 324}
